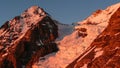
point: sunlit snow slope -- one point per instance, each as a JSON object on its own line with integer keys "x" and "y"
{"x": 71, "y": 46}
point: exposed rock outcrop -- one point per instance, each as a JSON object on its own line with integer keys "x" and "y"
{"x": 104, "y": 52}
{"x": 26, "y": 38}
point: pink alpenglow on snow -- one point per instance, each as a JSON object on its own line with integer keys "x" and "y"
{"x": 74, "y": 44}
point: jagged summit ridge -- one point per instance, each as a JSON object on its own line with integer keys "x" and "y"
{"x": 34, "y": 13}
{"x": 101, "y": 17}
{"x": 27, "y": 37}
{"x": 21, "y": 24}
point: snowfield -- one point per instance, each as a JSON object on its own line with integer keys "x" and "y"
{"x": 72, "y": 45}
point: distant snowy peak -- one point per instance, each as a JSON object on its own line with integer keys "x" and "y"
{"x": 101, "y": 17}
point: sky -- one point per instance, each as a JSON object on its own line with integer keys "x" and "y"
{"x": 65, "y": 11}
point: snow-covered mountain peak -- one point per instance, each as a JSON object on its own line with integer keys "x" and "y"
{"x": 35, "y": 10}
{"x": 33, "y": 14}
{"x": 101, "y": 17}
{"x": 19, "y": 25}
{"x": 113, "y": 7}
{"x": 27, "y": 37}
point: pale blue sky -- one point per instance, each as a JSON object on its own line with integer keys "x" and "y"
{"x": 65, "y": 11}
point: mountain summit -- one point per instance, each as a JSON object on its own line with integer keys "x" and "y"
{"x": 27, "y": 37}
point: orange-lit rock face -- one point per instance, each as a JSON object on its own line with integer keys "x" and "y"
{"x": 104, "y": 52}
{"x": 27, "y": 37}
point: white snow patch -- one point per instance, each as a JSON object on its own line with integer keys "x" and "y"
{"x": 117, "y": 34}
{"x": 98, "y": 53}
{"x": 97, "y": 49}
{"x": 4, "y": 55}
{"x": 87, "y": 51}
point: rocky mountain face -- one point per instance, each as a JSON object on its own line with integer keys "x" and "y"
{"x": 104, "y": 52}
{"x": 27, "y": 37}
{"x": 74, "y": 44}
